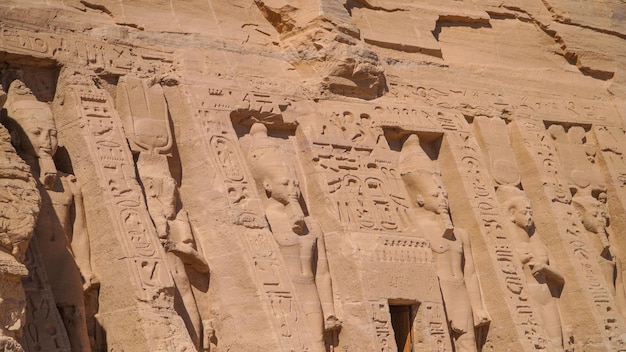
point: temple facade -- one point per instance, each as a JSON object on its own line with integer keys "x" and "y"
{"x": 312, "y": 175}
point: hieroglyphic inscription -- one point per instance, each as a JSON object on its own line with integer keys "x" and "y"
{"x": 546, "y": 154}
{"x": 29, "y": 42}
{"x": 479, "y": 187}
{"x": 571, "y": 230}
{"x": 490, "y": 103}
{"x": 406, "y": 118}
{"x": 96, "y": 55}
{"x": 430, "y": 328}
{"x": 437, "y": 327}
{"x": 116, "y": 170}
{"x": 212, "y": 109}
{"x": 44, "y": 330}
{"x": 382, "y": 323}
{"x": 361, "y": 177}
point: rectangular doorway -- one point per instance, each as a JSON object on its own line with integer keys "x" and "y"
{"x": 402, "y": 317}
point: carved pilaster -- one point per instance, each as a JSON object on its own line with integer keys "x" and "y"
{"x": 474, "y": 206}
{"x": 90, "y": 112}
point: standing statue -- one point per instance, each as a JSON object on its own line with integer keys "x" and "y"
{"x": 544, "y": 282}
{"x": 61, "y": 231}
{"x": 451, "y": 247}
{"x": 299, "y": 237}
{"x": 595, "y": 218}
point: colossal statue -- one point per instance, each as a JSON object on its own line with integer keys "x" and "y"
{"x": 543, "y": 280}
{"x": 61, "y": 231}
{"x": 299, "y": 237}
{"x": 450, "y": 245}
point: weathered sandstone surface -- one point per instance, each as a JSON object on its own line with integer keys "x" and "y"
{"x": 312, "y": 175}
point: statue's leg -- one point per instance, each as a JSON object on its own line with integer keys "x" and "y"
{"x": 191, "y": 316}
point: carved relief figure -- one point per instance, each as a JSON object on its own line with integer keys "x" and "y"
{"x": 543, "y": 280}
{"x": 299, "y": 237}
{"x": 146, "y": 122}
{"x": 450, "y": 245}
{"x": 61, "y": 230}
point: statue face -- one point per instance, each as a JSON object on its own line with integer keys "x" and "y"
{"x": 283, "y": 186}
{"x": 522, "y": 214}
{"x": 595, "y": 219}
{"x": 40, "y": 131}
{"x": 39, "y": 139}
{"x": 436, "y": 201}
{"x": 434, "y": 197}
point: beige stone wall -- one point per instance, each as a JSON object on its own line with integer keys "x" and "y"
{"x": 361, "y": 175}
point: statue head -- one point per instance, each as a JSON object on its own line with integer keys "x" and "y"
{"x": 518, "y": 207}
{"x": 427, "y": 191}
{"x": 34, "y": 133}
{"x": 275, "y": 175}
{"x": 592, "y": 213}
{"x": 519, "y": 210}
{"x": 422, "y": 178}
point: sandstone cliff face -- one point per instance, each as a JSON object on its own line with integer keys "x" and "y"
{"x": 360, "y": 175}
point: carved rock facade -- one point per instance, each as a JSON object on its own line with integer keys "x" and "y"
{"x": 360, "y": 175}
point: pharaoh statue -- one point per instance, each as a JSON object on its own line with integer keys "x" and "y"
{"x": 61, "y": 231}
{"x": 299, "y": 237}
{"x": 144, "y": 112}
{"x": 450, "y": 245}
{"x": 19, "y": 206}
{"x": 594, "y": 216}
{"x": 543, "y": 280}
